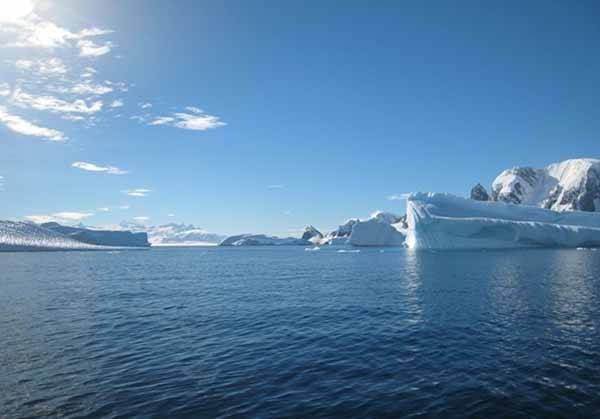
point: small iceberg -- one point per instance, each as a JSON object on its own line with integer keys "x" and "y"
{"x": 348, "y": 251}
{"x": 312, "y": 249}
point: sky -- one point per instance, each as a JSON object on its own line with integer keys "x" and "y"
{"x": 267, "y": 116}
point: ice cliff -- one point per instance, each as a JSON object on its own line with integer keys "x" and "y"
{"x": 442, "y": 221}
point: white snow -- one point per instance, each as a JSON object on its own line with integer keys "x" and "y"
{"x": 442, "y": 221}
{"x": 559, "y": 186}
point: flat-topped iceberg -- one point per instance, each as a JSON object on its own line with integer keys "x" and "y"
{"x": 443, "y": 221}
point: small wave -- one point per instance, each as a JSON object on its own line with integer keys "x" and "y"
{"x": 312, "y": 249}
{"x": 348, "y": 251}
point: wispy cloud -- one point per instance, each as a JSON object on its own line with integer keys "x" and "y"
{"x": 146, "y": 105}
{"x": 91, "y": 167}
{"x": 46, "y": 66}
{"x": 88, "y": 48}
{"x": 1, "y": 183}
{"x": 275, "y": 187}
{"x": 399, "y": 197}
{"x": 4, "y": 89}
{"x": 140, "y": 219}
{"x": 53, "y": 104}
{"x": 66, "y": 217}
{"x": 19, "y": 125}
{"x": 137, "y": 192}
{"x": 124, "y": 207}
{"x": 36, "y": 32}
{"x": 88, "y": 88}
{"x": 117, "y": 103}
{"x": 196, "y": 120}
{"x": 103, "y": 209}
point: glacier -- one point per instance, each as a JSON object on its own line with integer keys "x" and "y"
{"x": 444, "y": 221}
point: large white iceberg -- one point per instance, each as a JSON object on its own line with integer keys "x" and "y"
{"x": 443, "y": 221}
{"x": 381, "y": 229}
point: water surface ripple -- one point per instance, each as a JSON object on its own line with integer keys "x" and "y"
{"x": 279, "y": 332}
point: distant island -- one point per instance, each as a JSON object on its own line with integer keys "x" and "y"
{"x": 558, "y": 206}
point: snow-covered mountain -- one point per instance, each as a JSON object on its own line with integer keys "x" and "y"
{"x": 174, "y": 234}
{"x": 21, "y": 236}
{"x": 443, "y": 221}
{"x": 263, "y": 240}
{"x": 565, "y": 186}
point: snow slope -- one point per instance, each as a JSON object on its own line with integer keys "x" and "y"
{"x": 21, "y": 236}
{"x": 568, "y": 185}
{"x": 443, "y": 221}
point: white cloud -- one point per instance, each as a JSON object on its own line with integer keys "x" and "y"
{"x": 91, "y": 167}
{"x": 137, "y": 192}
{"x": 4, "y": 89}
{"x": 276, "y": 187}
{"x": 88, "y": 48}
{"x": 49, "y": 66}
{"x": 161, "y": 120}
{"x": 193, "y": 109}
{"x": 17, "y": 124}
{"x": 191, "y": 121}
{"x": 124, "y": 207}
{"x": 399, "y": 197}
{"x": 88, "y": 72}
{"x": 53, "y": 104}
{"x": 170, "y": 215}
{"x": 34, "y": 31}
{"x": 141, "y": 218}
{"x": 60, "y": 217}
{"x": 103, "y": 209}
{"x": 146, "y": 105}
{"x": 87, "y": 88}
{"x": 116, "y": 103}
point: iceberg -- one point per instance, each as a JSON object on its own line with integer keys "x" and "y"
{"x": 381, "y": 229}
{"x": 444, "y": 221}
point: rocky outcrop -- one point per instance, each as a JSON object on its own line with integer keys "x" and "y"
{"x": 479, "y": 193}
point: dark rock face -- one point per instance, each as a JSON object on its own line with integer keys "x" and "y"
{"x": 310, "y": 232}
{"x": 478, "y": 193}
{"x": 101, "y": 237}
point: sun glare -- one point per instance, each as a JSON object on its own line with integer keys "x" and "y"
{"x": 13, "y": 10}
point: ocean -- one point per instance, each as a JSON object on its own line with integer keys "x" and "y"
{"x": 282, "y": 332}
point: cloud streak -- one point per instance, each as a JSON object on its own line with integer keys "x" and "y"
{"x": 194, "y": 120}
{"x": 60, "y": 217}
{"x": 91, "y": 167}
{"x": 21, "y": 126}
{"x": 137, "y": 192}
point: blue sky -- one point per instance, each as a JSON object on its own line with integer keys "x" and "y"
{"x": 267, "y": 116}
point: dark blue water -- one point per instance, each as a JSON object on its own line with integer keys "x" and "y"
{"x": 280, "y": 332}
